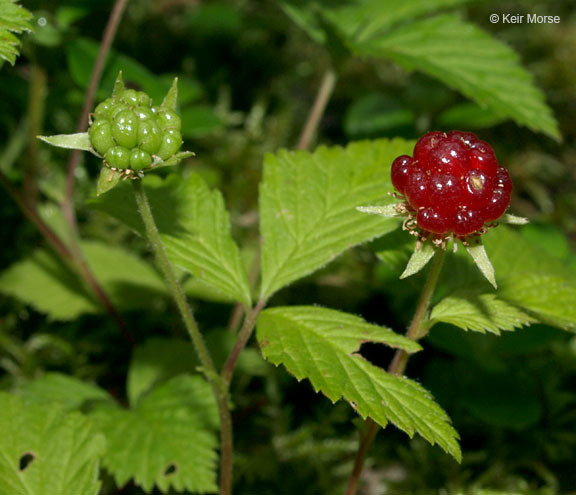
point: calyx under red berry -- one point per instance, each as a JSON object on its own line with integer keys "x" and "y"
{"x": 452, "y": 183}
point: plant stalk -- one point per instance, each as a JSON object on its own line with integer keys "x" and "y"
{"x": 325, "y": 91}
{"x": 417, "y": 329}
{"x": 219, "y": 388}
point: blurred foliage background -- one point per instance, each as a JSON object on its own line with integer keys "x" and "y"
{"x": 248, "y": 76}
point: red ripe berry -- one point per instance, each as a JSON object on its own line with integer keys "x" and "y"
{"x": 432, "y": 221}
{"x": 482, "y": 157}
{"x": 453, "y": 183}
{"x": 425, "y": 144}
{"x": 450, "y": 156}
{"x": 419, "y": 189}
{"x": 467, "y": 222}
{"x": 466, "y": 137}
{"x": 401, "y": 167}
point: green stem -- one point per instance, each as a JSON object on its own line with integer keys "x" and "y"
{"x": 325, "y": 91}
{"x": 219, "y": 388}
{"x": 418, "y": 328}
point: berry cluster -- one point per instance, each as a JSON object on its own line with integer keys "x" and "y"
{"x": 453, "y": 183}
{"x": 131, "y": 134}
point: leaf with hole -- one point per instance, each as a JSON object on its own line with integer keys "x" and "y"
{"x": 46, "y": 451}
{"x": 167, "y": 440}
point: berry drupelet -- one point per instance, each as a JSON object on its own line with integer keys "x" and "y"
{"x": 452, "y": 184}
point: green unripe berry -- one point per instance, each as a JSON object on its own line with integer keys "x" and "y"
{"x": 103, "y": 109}
{"x": 171, "y": 142}
{"x": 100, "y": 133}
{"x": 143, "y": 99}
{"x": 118, "y": 157}
{"x": 125, "y": 129}
{"x": 139, "y": 159}
{"x": 167, "y": 119}
{"x": 144, "y": 113}
{"x": 129, "y": 97}
{"x": 149, "y": 136}
{"x": 116, "y": 109}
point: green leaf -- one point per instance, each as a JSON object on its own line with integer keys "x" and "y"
{"x": 469, "y": 60}
{"x": 322, "y": 345}
{"x": 62, "y": 450}
{"x": 357, "y": 20}
{"x": 13, "y": 19}
{"x": 157, "y": 360}
{"x": 42, "y": 281}
{"x": 68, "y": 391}
{"x": 194, "y": 226}
{"x": 469, "y": 116}
{"x": 308, "y": 204}
{"x": 168, "y": 440}
{"x": 79, "y": 141}
{"x": 419, "y": 259}
{"x": 479, "y": 312}
{"x": 532, "y": 279}
{"x": 533, "y": 286}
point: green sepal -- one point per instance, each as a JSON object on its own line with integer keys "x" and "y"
{"x": 173, "y": 160}
{"x": 108, "y": 179}
{"x": 78, "y": 141}
{"x": 118, "y": 86}
{"x": 171, "y": 97}
{"x": 513, "y": 219}
{"x": 422, "y": 254}
{"x": 482, "y": 261}
{"x": 384, "y": 211}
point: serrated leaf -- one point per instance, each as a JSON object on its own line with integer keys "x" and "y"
{"x": 59, "y": 452}
{"x": 469, "y": 60}
{"x": 419, "y": 259}
{"x": 42, "y": 281}
{"x": 194, "y": 226}
{"x": 13, "y": 19}
{"x": 532, "y": 279}
{"x": 78, "y": 141}
{"x": 479, "y": 312}
{"x": 357, "y": 19}
{"x": 107, "y": 180}
{"x": 168, "y": 440}
{"x": 308, "y": 204}
{"x": 322, "y": 345}
{"x": 70, "y": 392}
{"x": 532, "y": 284}
{"x": 478, "y": 253}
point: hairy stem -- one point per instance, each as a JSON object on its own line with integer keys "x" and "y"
{"x": 417, "y": 329}
{"x": 220, "y": 389}
{"x": 107, "y": 39}
{"x": 322, "y": 97}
